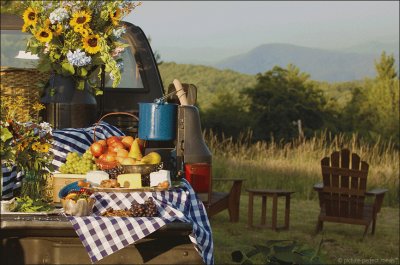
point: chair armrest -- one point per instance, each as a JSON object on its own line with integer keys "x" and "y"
{"x": 376, "y": 192}
{"x": 228, "y": 179}
{"x": 379, "y": 195}
{"x": 318, "y": 187}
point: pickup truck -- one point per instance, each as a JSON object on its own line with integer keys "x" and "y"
{"x": 30, "y": 239}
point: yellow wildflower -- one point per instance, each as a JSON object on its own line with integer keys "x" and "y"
{"x": 22, "y": 145}
{"x": 44, "y": 148}
{"x": 38, "y": 107}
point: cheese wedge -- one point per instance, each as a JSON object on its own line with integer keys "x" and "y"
{"x": 132, "y": 180}
{"x": 159, "y": 177}
{"x": 95, "y": 177}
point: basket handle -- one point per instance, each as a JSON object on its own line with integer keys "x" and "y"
{"x": 110, "y": 114}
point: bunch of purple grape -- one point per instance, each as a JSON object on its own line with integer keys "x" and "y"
{"x": 148, "y": 209}
{"x": 114, "y": 172}
{"x": 145, "y": 180}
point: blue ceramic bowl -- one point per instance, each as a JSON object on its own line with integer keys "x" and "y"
{"x": 70, "y": 187}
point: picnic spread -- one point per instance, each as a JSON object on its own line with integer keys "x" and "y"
{"x": 116, "y": 218}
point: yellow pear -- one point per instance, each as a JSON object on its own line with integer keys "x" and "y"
{"x": 128, "y": 161}
{"x": 152, "y": 158}
{"x": 134, "y": 152}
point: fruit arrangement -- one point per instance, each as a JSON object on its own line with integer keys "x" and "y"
{"x": 76, "y": 164}
{"x": 124, "y": 150}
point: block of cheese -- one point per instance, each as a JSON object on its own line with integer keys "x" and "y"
{"x": 95, "y": 177}
{"x": 131, "y": 180}
{"x": 159, "y": 177}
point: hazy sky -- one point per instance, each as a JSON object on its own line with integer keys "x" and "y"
{"x": 247, "y": 24}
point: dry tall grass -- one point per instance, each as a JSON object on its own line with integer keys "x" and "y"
{"x": 296, "y": 165}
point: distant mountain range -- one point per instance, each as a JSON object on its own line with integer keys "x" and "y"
{"x": 322, "y": 65}
{"x": 345, "y": 64}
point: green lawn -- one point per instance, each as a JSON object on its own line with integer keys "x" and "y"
{"x": 341, "y": 243}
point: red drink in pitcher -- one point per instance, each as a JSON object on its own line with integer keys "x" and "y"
{"x": 199, "y": 176}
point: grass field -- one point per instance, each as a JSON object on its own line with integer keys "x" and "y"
{"x": 296, "y": 166}
{"x": 342, "y": 244}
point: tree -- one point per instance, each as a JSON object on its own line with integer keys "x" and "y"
{"x": 280, "y": 99}
{"x": 373, "y": 111}
{"x": 383, "y": 98}
{"x": 226, "y": 115}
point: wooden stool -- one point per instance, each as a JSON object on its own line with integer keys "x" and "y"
{"x": 264, "y": 194}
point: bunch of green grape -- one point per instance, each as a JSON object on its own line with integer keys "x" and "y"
{"x": 77, "y": 164}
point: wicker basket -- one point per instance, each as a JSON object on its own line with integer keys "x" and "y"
{"x": 25, "y": 83}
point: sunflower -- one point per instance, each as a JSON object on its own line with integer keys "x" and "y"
{"x": 78, "y": 28}
{"x": 115, "y": 16}
{"x": 21, "y": 146}
{"x": 84, "y": 32}
{"x": 44, "y": 148}
{"x": 25, "y": 27}
{"x": 44, "y": 35}
{"x": 80, "y": 18}
{"x": 30, "y": 16}
{"x": 56, "y": 29}
{"x": 91, "y": 43}
{"x": 36, "y": 146}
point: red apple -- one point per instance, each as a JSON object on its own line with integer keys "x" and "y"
{"x": 109, "y": 157}
{"x": 115, "y": 146}
{"x": 112, "y": 139}
{"x": 96, "y": 149}
{"x": 127, "y": 141}
{"x": 102, "y": 142}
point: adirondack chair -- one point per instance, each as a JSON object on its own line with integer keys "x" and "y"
{"x": 343, "y": 191}
{"x": 219, "y": 201}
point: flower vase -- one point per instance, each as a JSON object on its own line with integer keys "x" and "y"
{"x": 66, "y": 105}
{"x": 33, "y": 185}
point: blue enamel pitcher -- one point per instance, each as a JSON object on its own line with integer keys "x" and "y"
{"x": 157, "y": 121}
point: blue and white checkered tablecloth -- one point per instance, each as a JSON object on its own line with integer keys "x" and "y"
{"x": 102, "y": 236}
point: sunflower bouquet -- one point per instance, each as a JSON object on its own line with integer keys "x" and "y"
{"x": 77, "y": 38}
{"x": 27, "y": 146}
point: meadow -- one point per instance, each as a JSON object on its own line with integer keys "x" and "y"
{"x": 296, "y": 166}
{"x": 341, "y": 243}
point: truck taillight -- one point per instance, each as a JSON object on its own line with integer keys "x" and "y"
{"x": 199, "y": 176}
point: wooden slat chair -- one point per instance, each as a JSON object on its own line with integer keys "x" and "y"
{"x": 343, "y": 191}
{"x": 215, "y": 202}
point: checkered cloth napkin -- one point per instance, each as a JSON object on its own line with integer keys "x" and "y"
{"x": 103, "y": 236}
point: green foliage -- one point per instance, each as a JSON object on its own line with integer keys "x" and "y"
{"x": 228, "y": 116}
{"x": 373, "y": 110}
{"x": 385, "y": 68}
{"x": 280, "y": 252}
{"x": 209, "y": 81}
{"x": 11, "y": 6}
{"x": 28, "y": 205}
{"x": 280, "y": 99}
